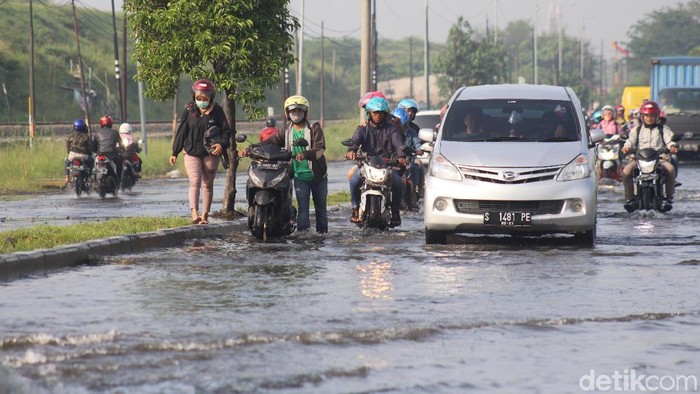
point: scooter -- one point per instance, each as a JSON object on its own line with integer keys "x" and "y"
{"x": 129, "y": 177}
{"x": 105, "y": 172}
{"x": 269, "y": 189}
{"x": 375, "y": 198}
{"x": 609, "y": 164}
{"x": 81, "y": 175}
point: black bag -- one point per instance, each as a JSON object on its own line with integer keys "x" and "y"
{"x": 213, "y": 136}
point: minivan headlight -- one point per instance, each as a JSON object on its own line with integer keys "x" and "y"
{"x": 440, "y": 167}
{"x": 576, "y": 169}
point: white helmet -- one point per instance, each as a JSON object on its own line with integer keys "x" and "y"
{"x": 125, "y": 128}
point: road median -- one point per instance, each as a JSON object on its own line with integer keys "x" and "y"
{"x": 41, "y": 262}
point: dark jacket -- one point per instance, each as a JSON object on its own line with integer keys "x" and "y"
{"x": 190, "y": 133}
{"x": 107, "y": 141}
{"x": 79, "y": 143}
{"x": 314, "y": 153}
{"x": 383, "y": 141}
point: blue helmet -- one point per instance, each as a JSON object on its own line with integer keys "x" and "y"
{"x": 402, "y": 114}
{"x": 597, "y": 116}
{"x": 79, "y": 125}
{"x": 377, "y": 104}
{"x": 409, "y": 103}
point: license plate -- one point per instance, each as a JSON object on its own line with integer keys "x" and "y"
{"x": 269, "y": 166}
{"x": 508, "y": 219}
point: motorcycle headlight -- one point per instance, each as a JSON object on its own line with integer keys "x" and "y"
{"x": 440, "y": 167}
{"x": 576, "y": 169}
{"x": 375, "y": 175}
{"x": 646, "y": 167}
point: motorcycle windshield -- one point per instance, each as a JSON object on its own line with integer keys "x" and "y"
{"x": 270, "y": 151}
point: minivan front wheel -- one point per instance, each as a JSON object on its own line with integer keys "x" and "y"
{"x": 435, "y": 237}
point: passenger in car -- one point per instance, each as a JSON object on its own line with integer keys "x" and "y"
{"x": 552, "y": 126}
{"x": 473, "y": 121}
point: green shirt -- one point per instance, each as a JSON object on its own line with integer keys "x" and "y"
{"x": 301, "y": 168}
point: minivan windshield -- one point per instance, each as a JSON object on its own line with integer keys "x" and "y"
{"x": 510, "y": 120}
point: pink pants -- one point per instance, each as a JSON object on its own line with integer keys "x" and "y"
{"x": 201, "y": 171}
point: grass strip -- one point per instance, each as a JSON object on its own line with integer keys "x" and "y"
{"x": 47, "y": 236}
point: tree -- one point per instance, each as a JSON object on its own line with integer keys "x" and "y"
{"x": 241, "y": 45}
{"x": 665, "y": 32}
{"x": 467, "y": 60}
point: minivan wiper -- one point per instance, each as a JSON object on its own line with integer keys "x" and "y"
{"x": 506, "y": 138}
{"x": 558, "y": 139}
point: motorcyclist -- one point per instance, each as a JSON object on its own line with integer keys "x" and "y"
{"x": 649, "y": 134}
{"x": 412, "y": 141}
{"x": 269, "y": 129}
{"x": 633, "y": 117}
{"x": 412, "y": 107}
{"x": 78, "y": 146}
{"x": 608, "y": 123}
{"x": 620, "y": 117}
{"x": 378, "y": 138}
{"x": 132, "y": 147}
{"x": 107, "y": 141}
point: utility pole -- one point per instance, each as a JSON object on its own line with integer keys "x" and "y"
{"x": 534, "y": 40}
{"x": 123, "y": 70}
{"x": 323, "y": 75}
{"x": 301, "y": 52}
{"x": 410, "y": 66}
{"x": 83, "y": 95}
{"x": 116, "y": 62}
{"x": 374, "y": 45}
{"x": 426, "y": 60}
{"x": 31, "y": 75}
{"x": 365, "y": 51}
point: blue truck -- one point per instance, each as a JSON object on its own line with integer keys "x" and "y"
{"x": 675, "y": 86}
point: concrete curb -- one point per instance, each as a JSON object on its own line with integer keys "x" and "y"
{"x": 20, "y": 265}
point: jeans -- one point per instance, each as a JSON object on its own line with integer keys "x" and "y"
{"x": 396, "y": 191}
{"x": 319, "y": 190}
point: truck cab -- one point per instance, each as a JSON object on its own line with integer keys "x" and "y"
{"x": 675, "y": 86}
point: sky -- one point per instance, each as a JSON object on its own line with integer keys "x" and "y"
{"x": 599, "y": 21}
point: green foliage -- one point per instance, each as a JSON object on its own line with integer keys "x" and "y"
{"x": 45, "y": 236}
{"x": 240, "y": 45}
{"x": 469, "y": 60}
{"x": 671, "y": 31}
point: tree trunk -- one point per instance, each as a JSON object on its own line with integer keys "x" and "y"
{"x": 229, "y": 201}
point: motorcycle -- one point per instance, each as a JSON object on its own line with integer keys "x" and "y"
{"x": 105, "y": 176}
{"x": 375, "y": 198}
{"x": 269, "y": 189}
{"x": 129, "y": 176}
{"x": 609, "y": 164}
{"x": 81, "y": 176}
{"x": 649, "y": 180}
{"x": 414, "y": 174}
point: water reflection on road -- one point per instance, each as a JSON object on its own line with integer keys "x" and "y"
{"x": 361, "y": 311}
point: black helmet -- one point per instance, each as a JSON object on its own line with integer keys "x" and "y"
{"x": 270, "y": 122}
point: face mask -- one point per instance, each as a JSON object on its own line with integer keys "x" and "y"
{"x": 296, "y": 117}
{"x": 202, "y": 104}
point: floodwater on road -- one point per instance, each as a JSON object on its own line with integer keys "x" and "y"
{"x": 361, "y": 311}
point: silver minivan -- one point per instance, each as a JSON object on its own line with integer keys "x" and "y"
{"x": 512, "y": 159}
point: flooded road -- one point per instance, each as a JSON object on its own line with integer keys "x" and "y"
{"x": 357, "y": 311}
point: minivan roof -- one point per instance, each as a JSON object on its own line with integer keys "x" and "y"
{"x": 514, "y": 91}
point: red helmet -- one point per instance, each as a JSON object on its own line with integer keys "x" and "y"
{"x": 368, "y": 96}
{"x": 649, "y": 108}
{"x": 106, "y": 121}
{"x": 205, "y": 87}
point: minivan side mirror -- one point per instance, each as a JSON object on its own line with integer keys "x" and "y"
{"x": 427, "y": 135}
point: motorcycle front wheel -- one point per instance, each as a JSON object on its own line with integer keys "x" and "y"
{"x": 373, "y": 214}
{"x": 260, "y": 229}
{"x": 647, "y": 194}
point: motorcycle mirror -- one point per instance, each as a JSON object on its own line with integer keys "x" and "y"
{"x": 676, "y": 137}
{"x": 348, "y": 142}
{"x": 241, "y": 138}
{"x": 301, "y": 142}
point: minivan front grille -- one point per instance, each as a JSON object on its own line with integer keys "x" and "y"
{"x": 508, "y": 176}
{"x": 535, "y": 207}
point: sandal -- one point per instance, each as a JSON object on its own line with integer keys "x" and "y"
{"x": 204, "y": 218}
{"x": 196, "y": 219}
